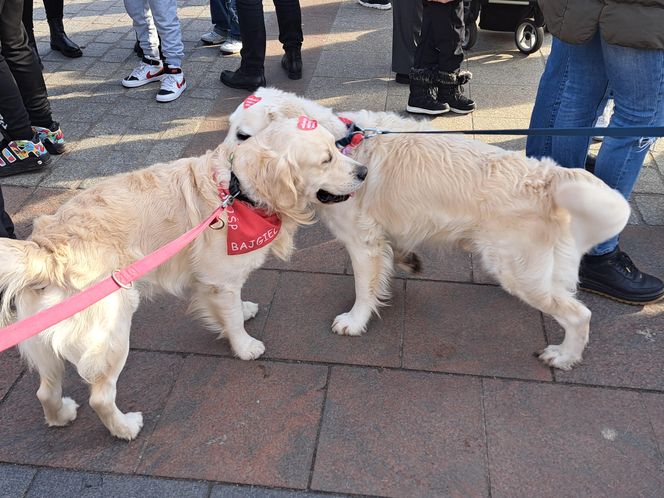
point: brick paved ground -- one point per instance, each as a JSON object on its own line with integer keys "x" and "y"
{"x": 441, "y": 396}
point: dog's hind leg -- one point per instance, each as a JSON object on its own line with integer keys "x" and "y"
{"x": 58, "y": 411}
{"x": 373, "y": 263}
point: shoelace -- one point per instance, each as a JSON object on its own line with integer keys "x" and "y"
{"x": 140, "y": 70}
{"x": 627, "y": 266}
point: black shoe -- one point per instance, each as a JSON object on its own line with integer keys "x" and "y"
{"x": 292, "y": 63}
{"x": 615, "y": 276}
{"x": 138, "y": 50}
{"x": 237, "y": 79}
{"x": 61, "y": 42}
{"x": 21, "y": 156}
{"x": 450, "y": 91}
{"x": 402, "y": 78}
{"x": 422, "y": 98}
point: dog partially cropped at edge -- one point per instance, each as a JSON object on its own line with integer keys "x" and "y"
{"x": 283, "y": 170}
{"x": 530, "y": 221}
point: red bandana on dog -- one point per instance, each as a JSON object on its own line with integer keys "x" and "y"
{"x": 249, "y": 228}
{"x": 251, "y": 100}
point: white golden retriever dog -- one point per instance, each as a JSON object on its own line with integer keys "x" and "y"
{"x": 530, "y": 221}
{"x": 283, "y": 170}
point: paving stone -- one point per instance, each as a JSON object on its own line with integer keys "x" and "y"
{"x": 502, "y": 101}
{"x": 304, "y": 307}
{"x": 471, "y": 329}
{"x": 86, "y": 444}
{"x": 552, "y": 440}
{"x": 55, "y": 483}
{"x": 649, "y": 182}
{"x": 654, "y": 406}
{"x": 505, "y": 68}
{"x": 11, "y": 368}
{"x": 651, "y": 208}
{"x": 43, "y": 201}
{"x": 223, "y": 491}
{"x": 392, "y": 433}
{"x": 625, "y": 349}
{"x": 14, "y": 480}
{"x": 365, "y": 65}
{"x": 14, "y": 197}
{"x": 164, "y": 325}
{"x": 367, "y": 94}
{"x": 442, "y": 264}
{"x": 507, "y": 142}
{"x": 243, "y": 422}
{"x": 117, "y": 55}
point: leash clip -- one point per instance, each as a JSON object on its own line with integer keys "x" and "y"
{"x": 371, "y": 132}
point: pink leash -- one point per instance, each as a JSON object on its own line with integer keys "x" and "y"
{"x": 33, "y": 325}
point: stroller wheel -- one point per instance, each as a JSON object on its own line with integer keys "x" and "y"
{"x": 528, "y": 36}
{"x": 470, "y": 36}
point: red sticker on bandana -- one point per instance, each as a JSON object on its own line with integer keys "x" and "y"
{"x": 251, "y": 100}
{"x": 304, "y": 123}
{"x": 249, "y": 228}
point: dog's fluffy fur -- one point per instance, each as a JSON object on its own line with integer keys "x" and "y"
{"x": 530, "y": 221}
{"x": 126, "y": 217}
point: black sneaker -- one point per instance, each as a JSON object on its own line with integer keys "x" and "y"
{"x": 615, "y": 276}
{"x": 376, "y": 4}
{"x": 422, "y": 98}
{"x": 21, "y": 156}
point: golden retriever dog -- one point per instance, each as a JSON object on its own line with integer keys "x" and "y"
{"x": 282, "y": 170}
{"x": 530, "y": 221}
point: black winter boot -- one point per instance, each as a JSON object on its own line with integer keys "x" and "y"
{"x": 292, "y": 63}
{"x": 422, "y": 98}
{"x": 61, "y": 42}
{"x": 615, "y": 276}
{"x": 450, "y": 91}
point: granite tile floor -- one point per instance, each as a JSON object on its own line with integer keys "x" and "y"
{"x": 441, "y": 397}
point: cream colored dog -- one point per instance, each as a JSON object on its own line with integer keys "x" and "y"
{"x": 283, "y": 170}
{"x": 529, "y": 221}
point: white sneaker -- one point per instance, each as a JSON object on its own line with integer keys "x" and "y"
{"x": 230, "y": 46}
{"x": 212, "y": 37}
{"x": 172, "y": 84}
{"x": 148, "y": 71}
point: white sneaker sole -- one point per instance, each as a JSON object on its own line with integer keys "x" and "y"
{"x": 422, "y": 110}
{"x": 137, "y": 83}
{"x": 171, "y": 96}
{"x": 387, "y": 6}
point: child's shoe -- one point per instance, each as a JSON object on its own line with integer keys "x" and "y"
{"x": 52, "y": 138}
{"x": 148, "y": 71}
{"x": 21, "y": 156}
{"x": 172, "y": 84}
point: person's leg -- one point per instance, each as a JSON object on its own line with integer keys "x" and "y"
{"x": 233, "y": 42}
{"x": 231, "y": 6}
{"x": 289, "y": 18}
{"x": 585, "y": 86}
{"x": 6, "y": 224}
{"x": 59, "y": 39}
{"x": 406, "y": 27}
{"x": 250, "y": 75}
{"x": 548, "y": 99}
{"x": 21, "y": 72}
{"x": 146, "y": 32}
{"x": 220, "y": 23}
{"x": 165, "y": 15}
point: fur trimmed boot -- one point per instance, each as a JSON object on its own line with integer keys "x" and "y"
{"x": 450, "y": 91}
{"x": 422, "y": 98}
{"x": 60, "y": 41}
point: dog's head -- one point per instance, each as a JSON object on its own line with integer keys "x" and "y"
{"x": 267, "y": 105}
{"x": 292, "y": 164}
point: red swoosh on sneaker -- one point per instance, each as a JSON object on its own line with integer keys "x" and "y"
{"x": 150, "y": 75}
{"x": 180, "y": 84}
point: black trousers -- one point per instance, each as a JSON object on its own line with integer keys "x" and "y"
{"x": 252, "y": 29}
{"x": 441, "y": 41}
{"x": 54, "y": 10}
{"x": 23, "y": 97}
{"x": 6, "y": 225}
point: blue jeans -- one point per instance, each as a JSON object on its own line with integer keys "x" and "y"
{"x": 224, "y": 18}
{"x": 571, "y": 91}
{"x": 152, "y": 17}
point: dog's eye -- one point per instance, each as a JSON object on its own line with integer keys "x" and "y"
{"x": 242, "y": 136}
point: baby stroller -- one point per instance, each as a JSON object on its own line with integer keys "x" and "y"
{"x": 522, "y": 17}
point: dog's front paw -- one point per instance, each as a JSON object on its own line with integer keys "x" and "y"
{"x": 555, "y": 357}
{"x": 250, "y": 350}
{"x": 249, "y": 310}
{"x": 345, "y": 324}
{"x": 66, "y": 413}
{"x": 129, "y": 427}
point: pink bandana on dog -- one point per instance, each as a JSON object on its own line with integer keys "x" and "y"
{"x": 251, "y": 100}
{"x": 304, "y": 123}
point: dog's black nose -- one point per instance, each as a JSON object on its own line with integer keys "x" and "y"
{"x": 361, "y": 172}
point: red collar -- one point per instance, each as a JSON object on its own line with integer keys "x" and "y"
{"x": 354, "y": 136}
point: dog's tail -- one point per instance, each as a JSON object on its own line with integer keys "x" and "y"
{"x": 598, "y": 212}
{"x": 23, "y": 264}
